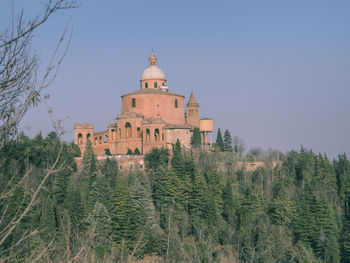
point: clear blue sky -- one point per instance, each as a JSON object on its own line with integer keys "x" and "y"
{"x": 275, "y": 73}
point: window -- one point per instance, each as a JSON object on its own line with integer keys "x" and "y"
{"x": 138, "y": 132}
{"x": 105, "y": 139}
{"x": 146, "y": 85}
{"x": 176, "y": 103}
{"x": 80, "y": 139}
{"x": 163, "y": 84}
{"x": 128, "y": 130}
{"x": 156, "y": 135}
{"x": 95, "y": 140}
{"x": 155, "y": 85}
{"x": 141, "y": 166}
{"x": 147, "y": 135}
{"x": 131, "y": 166}
{"x": 133, "y": 102}
{"x": 120, "y": 167}
{"x": 113, "y": 134}
{"x": 88, "y": 136}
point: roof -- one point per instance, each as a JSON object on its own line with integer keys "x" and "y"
{"x": 179, "y": 126}
{"x": 152, "y": 91}
{"x": 153, "y": 71}
{"x": 152, "y": 121}
{"x": 192, "y": 101}
{"x": 129, "y": 114}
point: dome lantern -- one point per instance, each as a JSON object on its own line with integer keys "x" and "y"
{"x": 152, "y": 77}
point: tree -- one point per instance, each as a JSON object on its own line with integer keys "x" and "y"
{"x": 157, "y": 157}
{"x": 19, "y": 87}
{"x": 137, "y": 151}
{"x": 196, "y": 139}
{"x": 227, "y": 141}
{"x": 219, "y": 142}
{"x": 107, "y": 152}
{"x": 238, "y": 146}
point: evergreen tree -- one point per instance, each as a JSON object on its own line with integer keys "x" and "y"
{"x": 157, "y": 157}
{"x": 196, "y": 139}
{"x": 110, "y": 170}
{"x": 228, "y": 203}
{"x": 227, "y": 141}
{"x": 89, "y": 160}
{"x": 177, "y": 162}
{"x": 99, "y": 227}
{"x": 137, "y": 151}
{"x": 219, "y": 142}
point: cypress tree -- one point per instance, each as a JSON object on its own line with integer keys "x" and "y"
{"x": 219, "y": 142}
{"x": 196, "y": 139}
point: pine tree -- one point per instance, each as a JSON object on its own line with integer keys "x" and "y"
{"x": 157, "y": 157}
{"x": 99, "y": 229}
{"x": 145, "y": 218}
{"x": 89, "y": 160}
{"x": 227, "y": 141}
{"x": 219, "y": 142}
{"x": 196, "y": 139}
{"x": 47, "y": 219}
{"x": 228, "y": 203}
{"x": 123, "y": 219}
{"x": 110, "y": 170}
{"x": 73, "y": 204}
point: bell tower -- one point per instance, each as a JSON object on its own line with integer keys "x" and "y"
{"x": 82, "y": 134}
{"x": 192, "y": 111}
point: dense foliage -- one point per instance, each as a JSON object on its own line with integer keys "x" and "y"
{"x": 183, "y": 208}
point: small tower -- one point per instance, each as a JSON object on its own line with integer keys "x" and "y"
{"x": 83, "y": 133}
{"x": 206, "y": 127}
{"x": 192, "y": 111}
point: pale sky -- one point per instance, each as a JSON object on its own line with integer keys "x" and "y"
{"x": 275, "y": 73}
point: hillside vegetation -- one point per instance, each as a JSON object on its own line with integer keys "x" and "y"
{"x": 181, "y": 209}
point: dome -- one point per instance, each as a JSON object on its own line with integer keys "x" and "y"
{"x": 153, "y": 72}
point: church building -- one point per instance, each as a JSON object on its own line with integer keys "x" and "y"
{"x": 151, "y": 117}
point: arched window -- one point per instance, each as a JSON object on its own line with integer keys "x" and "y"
{"x": 88, "y": 136}
{"x": 95, "y": 140}
{"x": 176, "y": 103}
{"x": 113, "y": 134}
{"x": 80, "y": 139}
{"x": 148, "y": 135}
{"x": 146, "y": 85}
{"x": 100, "y": 140}
{"x": 131, "y": 167}
{"x": 128, "y": 133}
{"x": 105, "y": 138}
{"x": 156, "y": 135}
{"x": 138, "y": 132}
